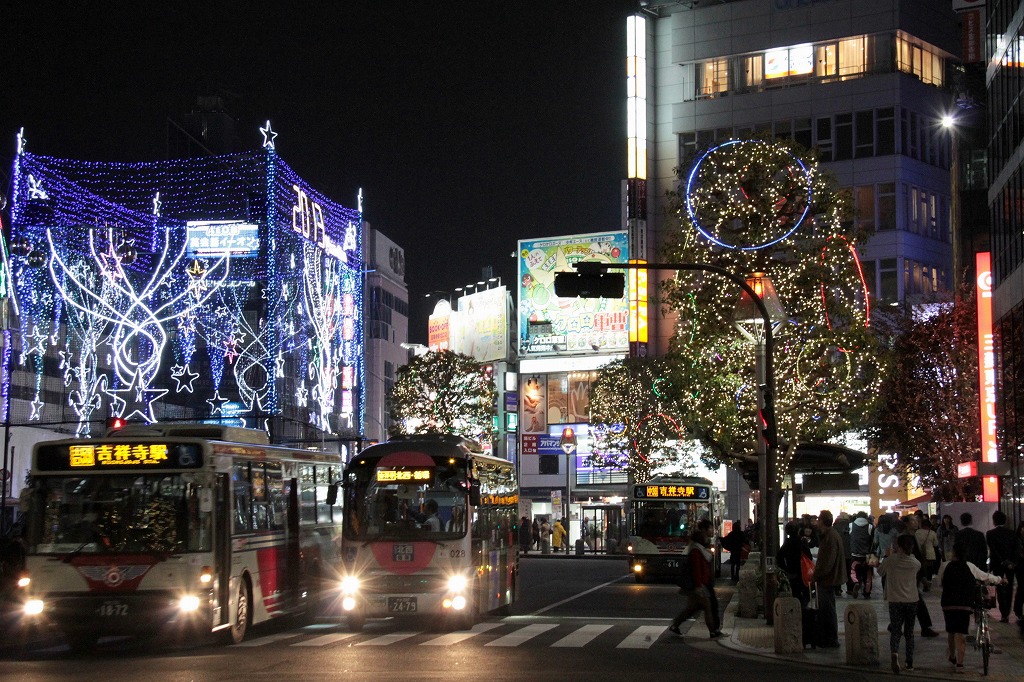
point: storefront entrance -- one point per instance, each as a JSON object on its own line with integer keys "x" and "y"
{"x": 604, "y": 528}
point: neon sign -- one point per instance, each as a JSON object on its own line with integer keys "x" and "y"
{"x": 987, "y": 373}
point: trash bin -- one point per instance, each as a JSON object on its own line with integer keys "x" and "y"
{"x": 580, "y": 546}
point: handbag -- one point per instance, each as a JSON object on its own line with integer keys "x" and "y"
{"x": 872, "y": 559}
{"x": 807, "y": 569}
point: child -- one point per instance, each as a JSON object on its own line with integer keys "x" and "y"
{"x": 900, "y": 570}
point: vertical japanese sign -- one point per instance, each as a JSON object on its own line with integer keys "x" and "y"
{"x": 987, "y": 373}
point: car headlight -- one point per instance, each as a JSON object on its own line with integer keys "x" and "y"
{"x": 189, "y": 603}
{"x": 33, "y": 607}
{"x": 24, "y": 580}
{"x": 457, "y": 583}
{"x": 349, "y": 584}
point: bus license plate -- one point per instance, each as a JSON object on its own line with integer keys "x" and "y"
{"x": 401, "y": 553}
{"x": 402, "y": 604}
{"x": 112, "y": 609}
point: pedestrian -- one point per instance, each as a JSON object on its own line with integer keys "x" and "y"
{"x": 910, "y": 526}
{"x": 525, "y": 535}
{"x": 1018, "y": 600}
{"x": 959, "y": 579}
{"x": 1002, "y": 555}
{"x": 708, "y": 530}
{"x": 842, "y": 526}
{"x": 698, "y": 592}
{"x": 901, "y": 569}
{"x": 545, "y": 536}
{"x": 973, "y": 541}
{"x": 946, "y": 533}
{"x": 558, "y": 536}
{"x": 790, "y": 559}
{"x": 829, "y": 572}
{"x": 585, "y": 533}
{"x": 734, "y": 542}
{"x": 861, "y": 539}
{"x": 928, "y": 541}
{"x": 536, "y": 533}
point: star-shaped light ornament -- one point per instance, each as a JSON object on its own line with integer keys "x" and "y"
{"x": 37, "y": 409}
{"x": 137, "y": 398}
{"x": 184, "y": 376}
{"x": 21, "y": 140}
{"x": 268, "y": 136}
{"x": 156, "y": 204}
{"x": 217, "y": 403}
{"x": 35, "y": 188}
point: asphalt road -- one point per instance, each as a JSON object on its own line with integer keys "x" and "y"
{"x": 575, "y": 619}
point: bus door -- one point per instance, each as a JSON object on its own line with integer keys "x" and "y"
{"x": 222, "y": 551}
{"x": 293, "y": 568}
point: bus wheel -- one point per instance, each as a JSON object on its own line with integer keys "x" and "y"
{"x": 243, "y": 603}
{"x": 356, "y": 623}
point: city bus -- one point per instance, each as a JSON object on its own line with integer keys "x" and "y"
{"x": 430, "y": 531}
{"x": 662, "y": 514}
{"x": 177, "y": 530}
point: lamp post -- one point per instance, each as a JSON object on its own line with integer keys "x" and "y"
{"x": 592, "y": 280}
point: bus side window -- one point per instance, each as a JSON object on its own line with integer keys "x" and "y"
{"x": 277, "y": 500}
{"x": 307, "y": 493}
{"x": 243, "y": 497}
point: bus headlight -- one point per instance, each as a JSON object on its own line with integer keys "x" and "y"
{"x": 24, "y": 580}
{"x": 638, "y": 568}
{"x": 348, "y": 603}
{"x": 189, "y": 603}
{"x": 457, "y": 583}
{"x": 206, "y": 576}
{"x": 459, "y": 603}
{"x": 349, "y": 585}
{"x": 33, "y": 607}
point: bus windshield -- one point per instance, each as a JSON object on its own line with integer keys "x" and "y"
{"x": 668, "y": 519}
{"x": 406, "y": 502}
{"x": 130, "y": 513}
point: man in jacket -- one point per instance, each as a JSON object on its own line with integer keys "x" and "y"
{"x": 700, "y": 597}
{"x": 1002, "y": 555}
{"x": 861, "y": 535}
{"x": 900, "y": 570}
{"x": 829, "y": 572}
{"x": 973, "y": 540}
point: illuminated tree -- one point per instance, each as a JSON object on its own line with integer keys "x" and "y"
{"x": 765, "y": 206}
{"x": 929, "y": 409}
{"x": 632, "y": 410}
{"x": 444, "y": 392}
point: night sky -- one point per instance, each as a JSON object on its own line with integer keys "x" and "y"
{"x": 467, "y": 125}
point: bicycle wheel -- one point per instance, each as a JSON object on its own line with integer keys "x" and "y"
{"x": 986, "y": 649}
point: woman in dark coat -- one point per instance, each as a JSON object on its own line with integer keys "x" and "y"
{"x": 788, "y": 559}
{"x": 525, "y": 535}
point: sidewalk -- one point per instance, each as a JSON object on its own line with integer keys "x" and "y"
{"x": 753, "y": 636}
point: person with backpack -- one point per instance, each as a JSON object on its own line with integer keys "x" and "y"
{"x": 697, "y": 581}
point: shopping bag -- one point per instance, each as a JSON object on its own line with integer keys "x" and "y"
{"x": 806, "y": 569}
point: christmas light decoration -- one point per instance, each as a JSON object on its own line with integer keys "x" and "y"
{"x": 156, "y": 315}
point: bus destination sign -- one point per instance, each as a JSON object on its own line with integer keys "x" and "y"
{"x": 672, "y": 492}
{"x": 118, "y": 456}
{"x": 404, "y": 475}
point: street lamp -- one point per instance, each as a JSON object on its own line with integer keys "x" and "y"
{"x": 757, "y": 321}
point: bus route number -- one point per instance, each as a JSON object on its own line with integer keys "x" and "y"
{"x": 456, "y": 553}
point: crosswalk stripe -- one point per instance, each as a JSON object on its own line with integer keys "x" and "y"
{"x": 456, "y": 637}
{"x": 522, "y": 635}
{"x": 324, "y": 640}
{"x": 643, "y": 637}
{"x": 385, "y": 640}
{"x": 581, "y": 637}
{"x": 269, "y": 638}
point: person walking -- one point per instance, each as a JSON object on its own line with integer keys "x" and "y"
{"x": 928, "y": 541}
{"x": 558, "y": 536}
{"x": 946, "y": 533}
{"x": 525, "y": 535}
{"x": 698, "y": 593}
{"x": 734, "y": 542}
{"x": 1018, "y": 600}
{"x": 1002, "y": 555}
{"x": 959, "y": 579}
{"x": 910, "y": 526}
{"x": 829, "y": 572}
{"x": 973, "y": 541}
{"x": 790, "y": 559}
{"x": 901, "y": 569}
{"x": 545, "y": 536}
{"x": 536, "y": 533}
{"x": 861, "y": 539}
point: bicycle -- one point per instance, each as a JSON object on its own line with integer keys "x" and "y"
{"x": 982, "y": 637}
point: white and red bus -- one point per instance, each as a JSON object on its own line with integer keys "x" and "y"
{"x": 430, "y": 530}
{"x": 193, "y": 528}
{"x": 662, "y": 515}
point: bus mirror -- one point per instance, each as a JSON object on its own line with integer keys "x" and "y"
{"x": 332, "y": 494}
{"x": 205, "y": 500}
{"x": 474, "y": 493}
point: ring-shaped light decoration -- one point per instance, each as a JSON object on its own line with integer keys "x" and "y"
{"x": 863, "y": 289}
{"x": 693, "y": 185}
{"x": 649, "y": 417}
{"x": 817, "y": 355}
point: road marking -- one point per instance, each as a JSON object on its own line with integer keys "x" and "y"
{"x": 385, "y": 640}
{"x": 522, "y": 635}
{"x": 456, "y": 637}
{"x": 643, "y": 637}
{"x": 577, "y": 596}
{"x": 324, "y": 640}
{"x": 581, "y": 637}
{"x": 269, "y": 639}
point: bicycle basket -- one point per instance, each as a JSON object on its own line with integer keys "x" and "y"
{"x": 986, "y": 597}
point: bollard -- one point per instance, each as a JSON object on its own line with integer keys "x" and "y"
{"x": 788, "y": 628}
{"x": 611, "y": 546}
{"x": 580, "y": 547}
{"x": 861, "y": 634}
{"x": 749, "y": 597}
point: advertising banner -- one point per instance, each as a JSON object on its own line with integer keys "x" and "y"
{"x": 550, "y": 325}
{"x": 482, "y": 331}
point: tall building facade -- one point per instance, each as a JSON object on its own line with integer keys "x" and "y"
{"x": 865, "y": 83}
{"x": 387, "y": 328}
{"x": 1005, "y": 84}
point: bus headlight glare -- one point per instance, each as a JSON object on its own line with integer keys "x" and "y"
{"x": 348, "y": 603}
{"x": 33, "y": 607}
{"x": 24, "y": 581}
{"x": 459, "y": 603}
{"x": 638, "y": 568}
{"x": 189, "y": 603}
{"x": 349, "y": 584}
{"x": 457, "y": 583}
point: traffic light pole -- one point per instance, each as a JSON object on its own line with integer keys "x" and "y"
{"x": 768, "y": 502}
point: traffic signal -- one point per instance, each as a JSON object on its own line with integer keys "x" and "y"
{"x": 590, "y": 284}
{"x": 766, "y": 420}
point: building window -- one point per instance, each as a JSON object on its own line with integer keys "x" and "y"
{"x": 889, "y": 285}
{"x": 918, "y": 60}
{"x": 844, "y": 137}
{"x": 823, "y": 133}
{"x": 865, "y": 132}
{"x": 864, "y": 202}
{"x": 886, "y": 132}
{"x": 714, "y": 78}
{"x": 887, "y": 206}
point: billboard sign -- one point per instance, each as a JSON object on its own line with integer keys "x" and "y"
{"x": 549, "y": 325}
{"x": 482, "y": 331}
{"x": 214, "y": 238}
